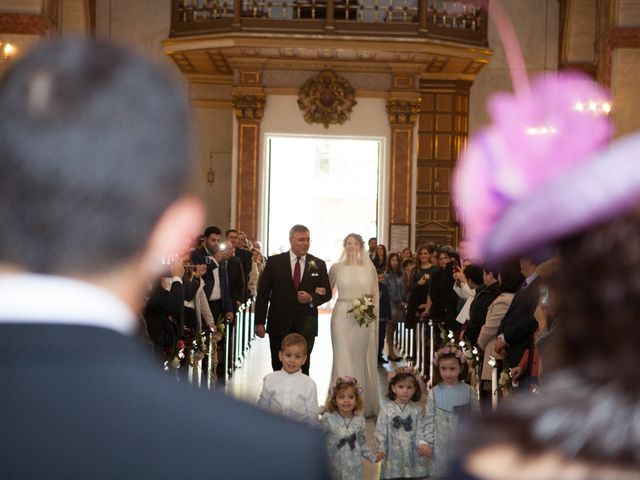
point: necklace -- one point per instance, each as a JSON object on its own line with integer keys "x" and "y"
{"x": 344, "y": 420}
{"x": 401, "y": 406}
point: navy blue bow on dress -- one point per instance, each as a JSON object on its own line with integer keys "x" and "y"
{"x": 406, "y": 423}
{"x": 351, "y": 440}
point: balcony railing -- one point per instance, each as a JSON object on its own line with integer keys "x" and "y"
{"x": 458, "y": 21}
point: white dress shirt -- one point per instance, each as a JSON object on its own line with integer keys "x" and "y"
{"x": 293, "y": 395}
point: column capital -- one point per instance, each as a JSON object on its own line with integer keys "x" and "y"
{"x": 248, "y": 106}
{"x": 403, "y": 112}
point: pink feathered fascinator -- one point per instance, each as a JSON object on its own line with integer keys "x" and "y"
{"x": 531, "y": 176}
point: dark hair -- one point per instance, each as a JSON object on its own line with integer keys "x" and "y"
{"x": 293, "y": 339}
{"x": 407, "y": 262}
{"x": 231, "y": 230}
{"x": 380, "y": 246}
{"x": 211, "y": 230}
{"x": 464, "y": 367}
{"x": 94, "y": 146}
{"x": 398, "y": 270}
{"x": 474, "y": 273}
{"x": 510, "y": 277}
{"x": 403, "y": 376}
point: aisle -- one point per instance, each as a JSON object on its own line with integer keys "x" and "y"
{"x": 246, "y": 382}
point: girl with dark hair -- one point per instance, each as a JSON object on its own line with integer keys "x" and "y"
{"x": 399, "y": 426}
{"x": 380, "y": 258}
{"x": 394, "y": 281}
{"x": 449, "y": 398}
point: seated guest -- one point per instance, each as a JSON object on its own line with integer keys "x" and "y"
{"x": 95, "y": 149}
{"x": 288, "y": 391}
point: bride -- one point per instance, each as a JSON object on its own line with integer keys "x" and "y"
{"x": 355, "y": 347}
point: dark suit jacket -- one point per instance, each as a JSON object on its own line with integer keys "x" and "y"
{"x": 237, "y": 284}
{"x": 478, "y": 310}
{"x": 201, "y": 257}
{"x": 245, "y": 259}
{"x": 518, "y": 324}
{"x": 164, "y": 314}
{"x": 86, "y": 403}
{"x": 276, "y": 302}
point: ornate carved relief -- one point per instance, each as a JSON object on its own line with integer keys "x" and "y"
{"x": 326, "y": 98}
{"x": 249, "y": 107}
{"x": 403, "y": 112}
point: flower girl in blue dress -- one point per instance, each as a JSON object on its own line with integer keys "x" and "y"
{"x": 343, "y": 424}
{"x": 399, "y": 426}
{"x": 449, "y": 400}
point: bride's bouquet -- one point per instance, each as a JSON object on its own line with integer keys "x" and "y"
{"x": 363, "y": 310}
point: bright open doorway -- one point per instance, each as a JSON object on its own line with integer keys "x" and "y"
{"x": 331, "y": 185}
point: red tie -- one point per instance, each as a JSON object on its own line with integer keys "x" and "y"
{"x": 296, "y": 274}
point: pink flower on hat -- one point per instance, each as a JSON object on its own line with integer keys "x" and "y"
{"x": 533, "y": 139}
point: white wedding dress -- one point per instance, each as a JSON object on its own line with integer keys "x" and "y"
{"x": 355, "y": 347}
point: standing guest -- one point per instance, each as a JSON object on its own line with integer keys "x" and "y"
{"x": 163, "y": 314}
{"x": 380, "y": 258}
{"x": 384, "y": 316}
{"x": 343, "y": 424}
{"x": 518, "y": 325}
{"x": 419, "y": 286}
{"x": 485, "y": 295}
{"x": 406, "y": 254}
{"x": 372, "y": 243}
{"x": 216, "y": 286}
{"x": 235, "y": 277}
{"x": 95, "y": 148}
{"x": 288, "y": 391}
{"x": 393, "y": 279}
{"x": 257, "y": 267}
{"x": 444, "y": 301}
{"x": 287, "y": 300}
{"x": 510, "y": 279}
{"x": 243, "y": 241}
{"x": 242, "y": 254}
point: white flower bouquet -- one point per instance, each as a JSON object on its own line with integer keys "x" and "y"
{"x": 363, "y": 310}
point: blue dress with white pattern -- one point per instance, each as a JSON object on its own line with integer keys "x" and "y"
{"x": 398, "y": 430}
{"x": 346, "y": 445}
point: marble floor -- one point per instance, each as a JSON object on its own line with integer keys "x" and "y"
{"x": 246, "y": 382}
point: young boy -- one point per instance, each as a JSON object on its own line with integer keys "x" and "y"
{"x": 290, "y": 392}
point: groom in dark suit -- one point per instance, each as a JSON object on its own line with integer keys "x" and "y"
{"x": 287, "y": 300}
{"x": 94, "y": 150}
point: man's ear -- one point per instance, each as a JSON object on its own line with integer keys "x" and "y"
{"x": 180, "y": 223}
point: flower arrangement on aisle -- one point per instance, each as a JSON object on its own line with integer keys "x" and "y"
{"x": 363, "y": 310}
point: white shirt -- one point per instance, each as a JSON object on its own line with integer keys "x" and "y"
{"x": 293, "y": 258}
{"x": 293, "y": 395}
{"x": 215, "y": 293}
{"x": 34, "y": 298}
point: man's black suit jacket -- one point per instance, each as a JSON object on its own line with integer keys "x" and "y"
{"x": 277, "y": 304}
{"x": 237, "y": 284}
{"x": 518, "y": 324}
{"x": 85, "y": 403}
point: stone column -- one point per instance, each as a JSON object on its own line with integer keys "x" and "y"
{"x": 402, "y": 110}
{"x": 248, "y": 104}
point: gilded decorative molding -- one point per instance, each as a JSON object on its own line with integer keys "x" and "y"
{"x": 24, "y": 24}
{"x": 326, "y": 98}
{"x": 249, "y": 107}
{"x": 403, "y": 112}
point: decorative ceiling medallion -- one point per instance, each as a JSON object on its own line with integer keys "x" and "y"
{"x": 326, "y": 98}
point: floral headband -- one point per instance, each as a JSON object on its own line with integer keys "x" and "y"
{"x": 408, "y": 370}
{"x": 449, "y": 349}
{"x": 345, "y": 381}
